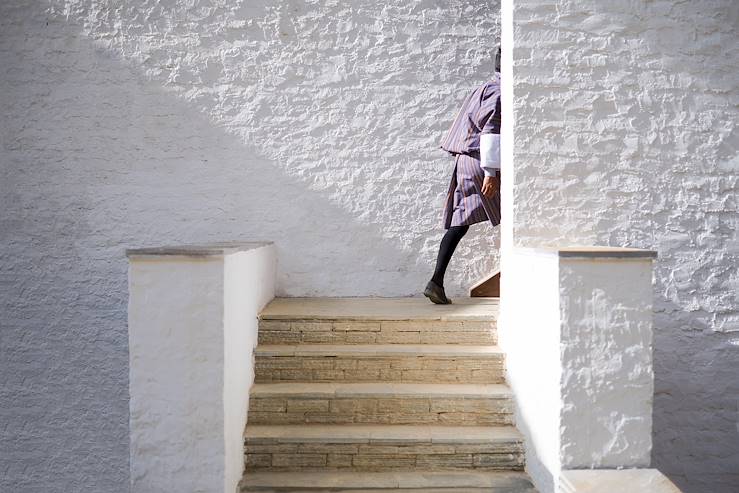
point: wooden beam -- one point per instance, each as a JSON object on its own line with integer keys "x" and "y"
{"x": 489, "y": 287}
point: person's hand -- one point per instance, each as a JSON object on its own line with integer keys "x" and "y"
{"x": 490, "y": 186}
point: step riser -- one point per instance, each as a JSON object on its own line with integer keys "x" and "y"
{"x": 389, "y": 490}
{"x": 383, "y": 457}
{"x": 379, "y": 369}
{"x": 384, "y": 482}
{"x": 377, "y": 332}
{"x": 439, "y": 411}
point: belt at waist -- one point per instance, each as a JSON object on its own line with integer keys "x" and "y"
{"x": 472, "y": 154}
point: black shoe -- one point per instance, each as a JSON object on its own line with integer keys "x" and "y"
{"x": 435, "y": 293}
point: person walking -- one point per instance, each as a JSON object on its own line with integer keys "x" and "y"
{"x": 474, "y": 189}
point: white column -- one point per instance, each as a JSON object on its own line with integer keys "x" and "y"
{"x": 576, "y": 325}
{"x": 507, "y": 129}
{"x": 192, "y": 321}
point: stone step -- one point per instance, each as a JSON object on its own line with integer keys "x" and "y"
{"x": 379, "y": 482}
{"x": 377, "y": 308}
{"x": 382, "y": 447}
{"x": 376, "y": 332}
{"x": 381, "y": 403}
{"x": 378, "y": 321}
{"x": 423, "y": 363}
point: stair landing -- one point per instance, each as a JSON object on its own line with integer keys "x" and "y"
{"x": 380, "y": 309}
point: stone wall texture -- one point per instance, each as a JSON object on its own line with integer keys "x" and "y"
{"x": 126, "y": 124}
{"x": 316, "y": 125}
{"x": 625, "y": 130}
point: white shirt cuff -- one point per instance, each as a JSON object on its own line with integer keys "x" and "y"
{"x": 490, "y": 151}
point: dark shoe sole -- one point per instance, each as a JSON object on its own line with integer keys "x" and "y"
{"x": 435, "y": 299}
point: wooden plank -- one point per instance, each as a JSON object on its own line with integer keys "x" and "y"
{"x": 489, "y": 287}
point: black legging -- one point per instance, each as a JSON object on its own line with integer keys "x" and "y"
{"x": 446, "y": 249}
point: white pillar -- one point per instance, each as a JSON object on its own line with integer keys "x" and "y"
{"x": 192, "y": 322}
{"x": 576, "y": 325}
{"x": 507, "y": 129}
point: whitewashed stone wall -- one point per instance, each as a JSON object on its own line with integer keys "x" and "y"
{"x": 576, "y": 327}
{"x": 192, "y": 327}
{"x": 625, "y": 131}
{"x": 315, "y": 125}
{"x": 129, "y": 124}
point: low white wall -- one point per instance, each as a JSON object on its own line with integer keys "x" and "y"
{"x": 528, "y": 331}
{"x": 576, "y": 325}
{"x": 192, "y": 330}
{"x": 606, "y": 356}
{"x": 249, "y": 286}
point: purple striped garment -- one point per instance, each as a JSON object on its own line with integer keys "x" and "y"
{"x": 480, "y": 113}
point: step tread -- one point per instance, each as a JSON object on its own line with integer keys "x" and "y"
{"x": 381, "y": 390}
{"x": 373, "y": 308}
{"x": 382, "y": 350}
{"x": 407, "y": 434}
{"x": 515, "y": 481}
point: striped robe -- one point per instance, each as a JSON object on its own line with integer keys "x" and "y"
{"x": 480, "y": 113}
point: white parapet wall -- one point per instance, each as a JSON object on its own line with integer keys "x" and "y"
{"x": 192, "y": 324}
{"x": 576, "y": 325}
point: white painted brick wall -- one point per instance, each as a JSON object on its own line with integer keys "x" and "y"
{"x": 626, "y": 116}
{"x": 312, "y": 124}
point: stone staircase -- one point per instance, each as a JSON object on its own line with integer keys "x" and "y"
{"x": 381, "y": 394}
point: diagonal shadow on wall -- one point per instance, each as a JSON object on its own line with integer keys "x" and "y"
{"x": 97, "y": 157}
{"x": 339, "y": 97}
